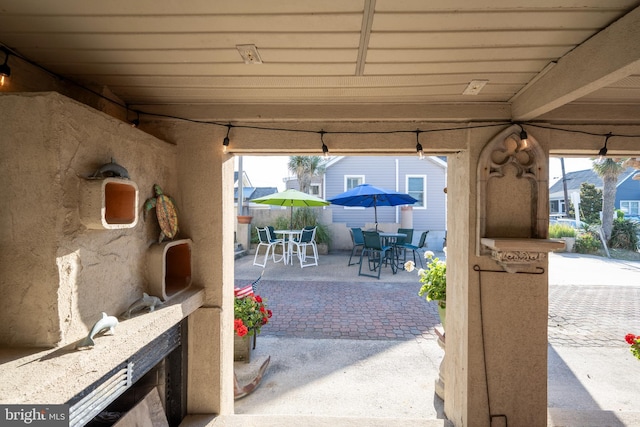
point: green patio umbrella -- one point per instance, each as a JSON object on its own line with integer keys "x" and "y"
{"x": 291, "y": 198}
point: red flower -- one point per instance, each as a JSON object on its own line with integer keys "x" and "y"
{"x": 269, "y": 314}
{"x": 240, "y": 328}
{"x": 630, "y": 338}
{"x": 258, "y": 298}
{"x": 262, "y": 309}
{"x": 264, "y": 320}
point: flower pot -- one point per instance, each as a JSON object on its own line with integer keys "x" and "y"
{"x": 442, "y": 312}
{"x": 242, "y": 348}
{"x": 244, "y": 219}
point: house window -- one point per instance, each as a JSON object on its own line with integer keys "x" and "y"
{"x": 556, "y": 207}
{"x": 417, "y": 188}
{"x": 352, "y": 181}
{"x": 315, "y": 190}
{"x": 630, "y": 207}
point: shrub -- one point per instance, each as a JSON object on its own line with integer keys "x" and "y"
{"x": 624, "y": 235}
{"x": 587, "y": 243}
{"x": 557, "y": 231}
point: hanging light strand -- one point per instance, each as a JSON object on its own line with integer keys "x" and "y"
{"x": 325, "y": 149}
{"x": 603, "y": 151}
{"x": 225, "y": 142}
{"x": 5, "y": 70}
{"x": 418, "y": 145}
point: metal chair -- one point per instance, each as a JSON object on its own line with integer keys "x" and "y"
{"x": 307, "y": 239}
{"x": 358, "y": 243}
{"x": 419, "y": 248}
{"x": 270, "y": 243}
{"x": 377, "y": 255}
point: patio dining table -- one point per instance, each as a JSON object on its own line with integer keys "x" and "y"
{"x": 288, "y": 236}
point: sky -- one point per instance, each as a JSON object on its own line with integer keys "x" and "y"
{"x": 269, "y": 171}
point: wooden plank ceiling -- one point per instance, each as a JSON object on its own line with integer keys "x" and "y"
{"x": 180, "y": 57}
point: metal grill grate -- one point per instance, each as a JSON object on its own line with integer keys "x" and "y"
{"x": 99, "y": 398}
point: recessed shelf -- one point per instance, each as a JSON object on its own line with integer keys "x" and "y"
{"x": 110, "y": 203}
{"x": 169, "y": 268}
{"x": 517, "y": 254}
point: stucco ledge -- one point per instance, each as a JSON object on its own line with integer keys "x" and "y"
{"x": 516, "y": 254}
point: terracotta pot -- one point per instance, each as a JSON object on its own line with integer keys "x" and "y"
{"x": 244, "y": 219}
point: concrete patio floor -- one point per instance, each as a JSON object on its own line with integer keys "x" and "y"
{"x": 347, "y": 350}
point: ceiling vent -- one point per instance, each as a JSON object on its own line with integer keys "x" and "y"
{"x": 474, "y": 87}
{"x": 249, "y": 53}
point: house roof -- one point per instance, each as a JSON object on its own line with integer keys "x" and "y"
{"x": 255, "y": 192}
{"x": 575, "y": 179}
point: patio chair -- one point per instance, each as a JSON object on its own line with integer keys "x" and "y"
{"x": 358, "y": 243}
{"x": 307, "y": 239}
{"x": 270, "y": 243}
{"x": 419, "y": 249}
{"x": 401, "y": 250}
{"x": 376, "y": 254}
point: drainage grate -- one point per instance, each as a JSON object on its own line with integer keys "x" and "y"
{"x": 100, "y": 397}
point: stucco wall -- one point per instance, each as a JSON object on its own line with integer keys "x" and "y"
{"x": 57, "y": 275}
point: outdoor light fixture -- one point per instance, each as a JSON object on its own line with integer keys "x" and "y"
{"x": 524, "y": 140}
{"x": 418, "y": 145}
{"x": 5, "y": 70}
{"x": 225, "y": 142}
{"x": 603, "y": 151}
{"x": 325, "y": 149}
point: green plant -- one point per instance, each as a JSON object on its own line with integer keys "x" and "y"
{"x": 250, "y": 314}
{"x": 433, "y": 279}
{"x": 587, "y": 243}
{"x": 624, "y": 235}
{"x": 303, "y": 217}
{"x": 557, "y": 231}
{"x": 634, "y": 342}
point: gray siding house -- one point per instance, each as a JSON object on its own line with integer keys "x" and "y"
{"x": 424, "y": 179}
{"x": 627, "y": 191}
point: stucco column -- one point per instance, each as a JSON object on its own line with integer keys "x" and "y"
{"x": 206, "y": 183}
{"x": 496, "y": 336}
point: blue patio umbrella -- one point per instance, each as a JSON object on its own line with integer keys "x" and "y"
{"x": 366, "y": 196}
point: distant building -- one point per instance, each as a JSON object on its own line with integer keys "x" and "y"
{"x": 627, "y": 193}
{"x": 424, "y": 179}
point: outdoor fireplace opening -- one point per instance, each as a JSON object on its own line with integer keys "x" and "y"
{"x": 150, "y": 385}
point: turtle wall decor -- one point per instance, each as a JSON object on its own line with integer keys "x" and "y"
{"x": 166, "y": 212}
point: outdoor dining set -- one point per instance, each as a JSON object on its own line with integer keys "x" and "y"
{"x": 378, "y": 248}
{"x": 382, "y": 249}
{"x": 290, "y": 242}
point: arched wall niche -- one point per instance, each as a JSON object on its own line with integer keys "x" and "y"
{"x": 513, "y": 200}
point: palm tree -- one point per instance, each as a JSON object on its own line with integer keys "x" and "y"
{"x": 609, "y": 170}
{"x": 305, "y": 168}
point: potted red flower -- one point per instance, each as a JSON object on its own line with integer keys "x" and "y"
{"x": 250, "y": 315}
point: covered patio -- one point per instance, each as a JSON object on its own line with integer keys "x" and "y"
{"x": 174, "y": 91}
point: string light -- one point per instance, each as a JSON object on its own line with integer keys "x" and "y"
{"x": 325, "y": 149}
{"x": 136, "y": 122}
{"x": 418, "y": 145}
{"x": 5, "y": 70}
{"x": 225, "y": 142}
{"x": 524, "y": 140}
{"x": 603, "y": 151}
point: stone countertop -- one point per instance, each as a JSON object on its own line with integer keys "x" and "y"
{"x": 54, "y": 376}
